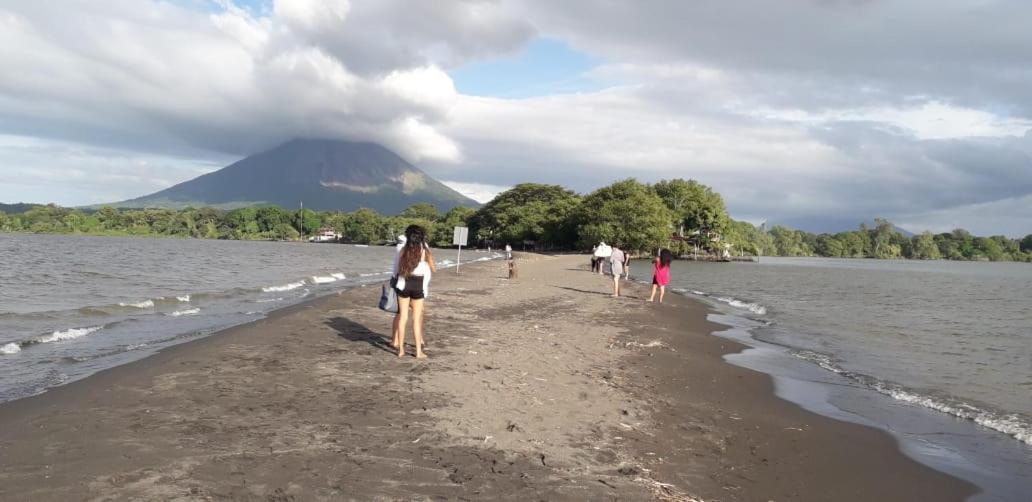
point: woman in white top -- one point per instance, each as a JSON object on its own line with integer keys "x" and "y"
{"x": 413, "y": 266}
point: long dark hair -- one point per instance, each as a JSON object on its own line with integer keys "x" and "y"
{"x": 412, "y": 253}
{"x": 665, "y": 257}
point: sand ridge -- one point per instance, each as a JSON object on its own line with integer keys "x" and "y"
{"x": 541, "y": 388}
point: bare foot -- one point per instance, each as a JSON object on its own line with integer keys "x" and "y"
{"x": 401, "y": 353}
{"x": 420, "y": 355}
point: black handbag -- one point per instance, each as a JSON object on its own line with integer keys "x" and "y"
{"x": 389, "y": 296}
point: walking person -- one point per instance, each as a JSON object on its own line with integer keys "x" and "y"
{"x": 413, "y": 266}
{"x": 616, "y": 265}
{"x": 602, "y": 253}
{"x": 661, "y": 273}
{"x": 508, "y": 251}
{"x": 627, "y": 265}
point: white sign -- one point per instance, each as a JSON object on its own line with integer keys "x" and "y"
{"x": 461, "y": 236}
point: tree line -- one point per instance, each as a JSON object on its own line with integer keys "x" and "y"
{"x": 683, "y": 215}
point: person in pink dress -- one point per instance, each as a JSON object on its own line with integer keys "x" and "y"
{"x": 661, "y": 273}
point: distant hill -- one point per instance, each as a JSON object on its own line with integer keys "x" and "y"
{"x": 20, "y": 207}
{"x": 818, "y": 225}
{"x": 324, "y": 174}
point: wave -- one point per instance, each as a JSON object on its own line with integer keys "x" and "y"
{"x": 56, "y": 336}
{"x": 285, "y": 287}
{"x": 184, "y": 298}
{"x": 146, "y": 304}
{"x": 1008, "y": 423}
{"x": 69, "y": 334}
{"x": 92, "y": 311}
{"x": 184, "y": 312}
{"x": 269, "y": 300}
{"x": 734, "y": 302}
{"x": 324, "y": 279}
{"x": 755, "y": 308}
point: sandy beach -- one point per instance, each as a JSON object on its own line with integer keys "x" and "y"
{"x": 539, "y": 388}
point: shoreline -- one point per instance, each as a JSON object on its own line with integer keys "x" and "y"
{"x": 707, "y": 258}
{"x": 518, "y": 400}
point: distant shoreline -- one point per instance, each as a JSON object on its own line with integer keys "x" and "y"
{"x": 709, "y": 258}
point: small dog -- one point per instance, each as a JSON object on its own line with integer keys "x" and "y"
{"x": 513, "y": 271}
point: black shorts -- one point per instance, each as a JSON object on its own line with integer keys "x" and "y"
{"x": 413, "y": 288}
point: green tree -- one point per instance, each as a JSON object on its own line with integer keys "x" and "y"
{"x": 108, "y": 217}
{"x": 528, "y": 212}
{"x": 830, "y": 246}
{"x": 789, "y": 242}
{"x": 394, "y": 226}
{"x": 989, "y": 248}
{"x": 310, "y": 220}
{"x": 365, "y": 226}
{"x": 965, "y": 243}
{"x": 270, "y": 217}
{"x": 748, "y": 238}
{"x": 694, "y": 206}
{"x": 1026, "y": 244}
{"x": 242, "y": 224}
{"x": 458, "y": 216}
{"x": 421, "y": 211}
{"x": 626, "y": 213}
{"x": 853, "y": 244}
{"x": 285, "y": 232}
{"x": 337, "y": 221}
{"x": 925, "y": 247}
{"x": 1010, "y": 247}
{"x": 74, "y": 221}
{"x": 885, "y": 240}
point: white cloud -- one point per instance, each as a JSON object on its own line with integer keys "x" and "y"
{"x": 312, "y": 14}
{"x": 155, "y": 74}
{"x": 927, "y": 120}
{"x": 480, "y": 192}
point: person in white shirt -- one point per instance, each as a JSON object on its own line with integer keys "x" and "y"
{"x": 413, "y": 266}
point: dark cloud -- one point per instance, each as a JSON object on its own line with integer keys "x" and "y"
{"x": 382, "y": 36}
{"x": 974, "y": 53}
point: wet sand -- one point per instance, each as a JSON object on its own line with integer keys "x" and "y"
{"x": 540, "y": 388}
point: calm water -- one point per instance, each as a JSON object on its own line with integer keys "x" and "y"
{"x": 937, "y": 353}
{"x": 71, "y": 305}
{"x": 948, "y": 335}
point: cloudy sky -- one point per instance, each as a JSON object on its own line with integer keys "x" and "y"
{"x": 816, "y": 113}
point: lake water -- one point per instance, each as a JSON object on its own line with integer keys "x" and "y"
{"x": 74, "y": 305}
{"x": 950, "y": 343}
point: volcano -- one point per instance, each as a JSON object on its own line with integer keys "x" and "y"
{"x": 324, "y": 174}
